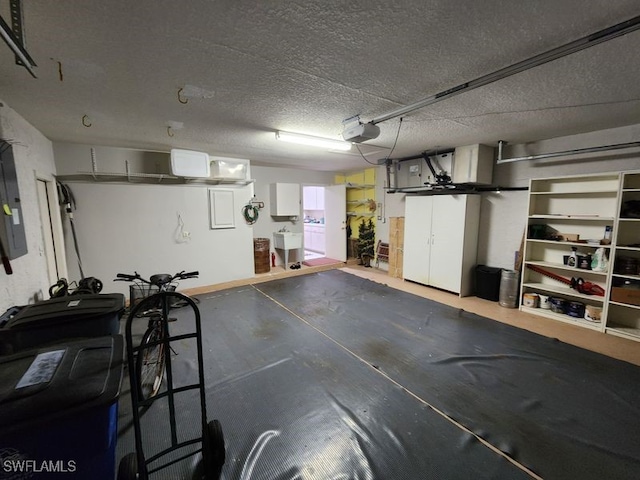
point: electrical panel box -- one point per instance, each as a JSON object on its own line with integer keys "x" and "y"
{"x": 409, "y": 173}
{"x": 473, "y": 164}
{"x": 285, "y": 199}
{"x": 12, "y": 234}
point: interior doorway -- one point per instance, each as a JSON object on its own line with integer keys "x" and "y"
{"x": 324, "y": 223}
{"x": 314, "y": 221}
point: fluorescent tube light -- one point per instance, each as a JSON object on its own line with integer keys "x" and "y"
{"x": 326, "y": 143}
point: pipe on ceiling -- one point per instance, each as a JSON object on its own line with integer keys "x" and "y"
{"x": 553, "y": 54}
{"x": 577, "y": 151}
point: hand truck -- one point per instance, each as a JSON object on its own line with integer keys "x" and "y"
{"x": 136, "y": 465}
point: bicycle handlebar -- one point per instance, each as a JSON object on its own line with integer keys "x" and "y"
{"x": 125, "y": 277}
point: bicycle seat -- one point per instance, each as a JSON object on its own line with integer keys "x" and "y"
{"x": 160, "y": 279}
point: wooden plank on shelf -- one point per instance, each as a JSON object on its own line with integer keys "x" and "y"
{"x": 520, "y": 254}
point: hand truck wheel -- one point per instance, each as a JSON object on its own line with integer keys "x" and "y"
{"x": 128, "y": 467}
{"x": 213, "y": 450}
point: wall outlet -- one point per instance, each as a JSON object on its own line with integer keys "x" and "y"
{"x": 186, "y": 234}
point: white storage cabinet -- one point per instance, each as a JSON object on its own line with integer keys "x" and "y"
{"x": 285, "y": 199}
{"x": 313, "y": 198}
{"x": 440, "y": 241}
{"x": 314, "y": 237}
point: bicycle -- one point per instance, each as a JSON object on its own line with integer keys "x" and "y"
{"x": 150, "y": 363}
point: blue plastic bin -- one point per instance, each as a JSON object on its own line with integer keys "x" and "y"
{"x": 59, "y": 409}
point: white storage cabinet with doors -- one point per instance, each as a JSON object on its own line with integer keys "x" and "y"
{"x": 313, "y": 198}
{"x": 440, "y": 241}
{"x": 285, "y": 199}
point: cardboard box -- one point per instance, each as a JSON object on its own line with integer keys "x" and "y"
{"x": 625, "y": 295}
{"x": 570, "y": 237}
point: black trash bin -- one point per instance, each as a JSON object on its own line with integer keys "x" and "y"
{"x": 49, "y": 321}
{"x": 59, "y": 410}
{"x": 488, "y": 282}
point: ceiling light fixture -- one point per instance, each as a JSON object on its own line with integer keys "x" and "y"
{"x": 326, "y": 143}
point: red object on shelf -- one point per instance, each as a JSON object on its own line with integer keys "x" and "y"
{"x": 578, "y": 284}
{"x": 273, "y": 259}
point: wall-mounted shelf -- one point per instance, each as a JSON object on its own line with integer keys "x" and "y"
{"x": 361, "y": 214}
{"x": 581, "y": 218}
{"x": 357, "y": 186}
{"x": 571, "y": 271}
{"x": 562, "y": 318}
{"x": 147, "y": 178}
{"x": 565, "y": 243}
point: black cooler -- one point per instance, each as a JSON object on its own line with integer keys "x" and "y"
{"x": 50, "y": 321}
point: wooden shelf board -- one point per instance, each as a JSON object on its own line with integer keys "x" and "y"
{"x": 579, "y": 192}
{"x": 583, "y": 217}
{"x": 563, "y": 318}
{"x": 625, "y": 305}
{"x": 630, "y": 249}
{"x": 569, "y": 292}
{"x": 561, "y": 266}
{"x": 572, "y": 244}
{"x": 624, "y": 331}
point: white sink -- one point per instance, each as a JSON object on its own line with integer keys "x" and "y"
{"x": 287, "y": 240}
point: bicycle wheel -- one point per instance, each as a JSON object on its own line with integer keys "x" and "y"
{"x": 150, "y": 362}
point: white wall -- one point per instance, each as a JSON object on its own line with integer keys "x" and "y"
{"x": 503, "y": 216}
{"x": 123, "y": 227}
{"x": 33, "y": 155}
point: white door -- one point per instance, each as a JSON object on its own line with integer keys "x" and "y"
{"x": 417, "y": 239}
{"x": 335, "y": 225}
{"x": 447, "y": 230}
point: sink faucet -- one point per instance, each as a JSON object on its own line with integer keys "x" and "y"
{"x": 283, "y": 229}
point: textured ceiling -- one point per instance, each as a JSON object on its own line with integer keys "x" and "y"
{"x": 250, "y": 68}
